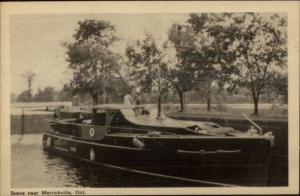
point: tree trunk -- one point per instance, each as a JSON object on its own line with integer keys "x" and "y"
{"x": 95, "y": 99}
{"x": 159, "y": 106}
{"x": 255, "y": 96}
{"x": 255, "y": 100}
{"x": 29, "y": 91}
{"x": 208, "y": 103}
{"x": 181, "y": 100}
{"x": 208, "y": 99}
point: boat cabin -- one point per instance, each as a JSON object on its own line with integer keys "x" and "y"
{"x": 130, "y": 119}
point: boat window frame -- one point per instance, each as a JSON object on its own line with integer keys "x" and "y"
{"x": 109, "y": 117}
{"x": 95, "y": 112}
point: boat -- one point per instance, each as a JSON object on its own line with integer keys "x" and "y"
{"x": 134, "y": 137}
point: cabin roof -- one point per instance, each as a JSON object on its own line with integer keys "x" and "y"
{"x": 150, "y": 119}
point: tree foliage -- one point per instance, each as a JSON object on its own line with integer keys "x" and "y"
{"x": 23, "y": 96}
{"x": 48, "y": 94}
{"x": 277, "y": 87}
{"x": 181, "y": 72}
{"x": 147, "y": 66}
{"x": 211, "y": 50}
{"x": 203, "y": 53}
{"x": 93, "y": 64}
{"x": 260, "y": 48}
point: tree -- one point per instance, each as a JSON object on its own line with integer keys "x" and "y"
{"x": 23, "y": 96}
{"x": 145, "y": 60}
{"x": 260, "y": 47}
{"x": 45, "y": 95}
{"x": 180, "y": 72}
{"x": 117, "y": 88}
{"x": 203, "y": 53}
{"x": 280, "y": 86}
{"x": 29, "y": 76}
{"x": 91, "y": 60}
{"x": 277, "y": 87}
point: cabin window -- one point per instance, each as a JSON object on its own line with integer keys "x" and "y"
{"x": 214, "y": 126}
{"x": 98, "y": 118}
{"x": 195, "y": 128}
{"x": 140, "y": 111}
{"x": 118, "y": 119}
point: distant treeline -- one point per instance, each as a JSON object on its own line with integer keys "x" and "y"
{"x": 48, "y": 94}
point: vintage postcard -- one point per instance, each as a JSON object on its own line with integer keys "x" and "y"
{"x": 147, "y": 98}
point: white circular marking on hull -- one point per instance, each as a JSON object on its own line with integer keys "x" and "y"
{"x": 92, "y": 132}
{"x": 92, "y": 154}
{"x": 48, "y": 142}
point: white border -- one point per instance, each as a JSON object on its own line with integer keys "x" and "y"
{"x": 292, "y": 8}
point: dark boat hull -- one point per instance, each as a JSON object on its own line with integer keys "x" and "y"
{"x": 232, "y": 160}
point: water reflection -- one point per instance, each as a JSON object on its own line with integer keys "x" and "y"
{"x": 31, "y": 168}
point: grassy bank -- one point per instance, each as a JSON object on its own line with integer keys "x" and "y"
{"x": 229, "y": 111}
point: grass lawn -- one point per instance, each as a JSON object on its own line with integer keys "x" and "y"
{"x": 234, "y": 111}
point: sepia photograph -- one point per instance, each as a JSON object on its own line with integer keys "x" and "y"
{"x": 149, "y": 99}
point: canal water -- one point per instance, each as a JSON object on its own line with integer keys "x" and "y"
{"x": 32, "y": 167}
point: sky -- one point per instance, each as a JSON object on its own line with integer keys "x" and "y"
{"x": 36, "y": 42}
